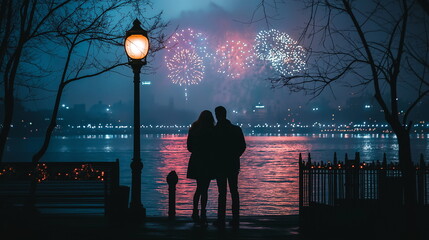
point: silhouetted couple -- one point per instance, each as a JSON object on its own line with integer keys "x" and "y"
{"x": 216, "y": 151}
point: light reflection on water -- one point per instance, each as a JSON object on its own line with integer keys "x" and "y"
{"x": 268, "y": 182}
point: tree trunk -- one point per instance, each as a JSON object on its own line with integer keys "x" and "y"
{"x": 7, "y": 121}
{"x": 407, "y": 169}
{"x": 37, "y": 156}
{"x": 409, "y": 185}
{"x": 9, "y": 101}
{"x": 51, "y": 126}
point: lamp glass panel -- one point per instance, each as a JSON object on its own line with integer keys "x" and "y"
{"x": 137, "y": 46}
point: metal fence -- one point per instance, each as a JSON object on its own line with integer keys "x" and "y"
{"x": 354, "y": 182}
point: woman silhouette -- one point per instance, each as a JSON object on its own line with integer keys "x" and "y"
{"x": 199, "y": 143}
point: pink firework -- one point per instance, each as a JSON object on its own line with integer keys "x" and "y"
{"x": 234, "y": 58}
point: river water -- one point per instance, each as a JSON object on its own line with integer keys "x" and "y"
{"x": 268, "y": 182}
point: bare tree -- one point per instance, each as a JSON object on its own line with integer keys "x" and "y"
{"x": 76, "y": 33}
{"x": 377, "y": 44}
{"x": 22, "y": 23}
{"x": 92, "y": 34}
{"x": 18, "y": 26}
{"x": 263, "y": 12}
{"x": 88, "y": 47}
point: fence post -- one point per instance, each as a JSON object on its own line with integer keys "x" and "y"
{"x": 172, "y": 180}
{"x": 356, "y": 180}
{"x": 382, "y": 179}
{"x": 348, "y": 180}
{"x": 116, "y": 173}
{"x": 335, "y": 158}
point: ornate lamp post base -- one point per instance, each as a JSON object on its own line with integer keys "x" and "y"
{"x": 137, "y": 210}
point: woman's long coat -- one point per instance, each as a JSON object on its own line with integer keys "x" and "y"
{"x": 200, "y": 144}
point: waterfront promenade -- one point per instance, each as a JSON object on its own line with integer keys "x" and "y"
{"x": 98, "y": 227}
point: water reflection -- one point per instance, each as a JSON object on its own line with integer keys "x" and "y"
{"x": 268, "y": 182}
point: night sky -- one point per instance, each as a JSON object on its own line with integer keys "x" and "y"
{"x": 220, "y": 21}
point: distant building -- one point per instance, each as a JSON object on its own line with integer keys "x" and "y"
{"x": 100, "y": 112}
{"x": 78, "y": 114}
{"x": 259, "y": 113}
{"x": 147, "y": 98}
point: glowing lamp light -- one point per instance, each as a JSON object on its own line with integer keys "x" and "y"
{"x": 136, "y": 42}
{"x": 137, "y": 46}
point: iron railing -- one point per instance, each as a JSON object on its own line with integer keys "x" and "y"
{"x": 354, "y": 182}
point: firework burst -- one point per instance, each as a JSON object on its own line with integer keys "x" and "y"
{"x": 186, "y": 52}
{"x": 234, "y": 58}
{"x": 285, "y": 54}
{"x": 189, "y": 39}
{"x": 186, "y": 67}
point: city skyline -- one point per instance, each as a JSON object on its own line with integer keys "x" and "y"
{"x": 358, "y": 109}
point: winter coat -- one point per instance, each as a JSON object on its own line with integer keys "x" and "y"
{"x": 200, "y": 144}
{"x": 229, "y": 146}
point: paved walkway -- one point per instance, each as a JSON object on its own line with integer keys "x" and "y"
{"x": 97, "y": 227}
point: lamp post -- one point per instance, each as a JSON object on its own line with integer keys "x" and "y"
{"x": 136, "y": 47}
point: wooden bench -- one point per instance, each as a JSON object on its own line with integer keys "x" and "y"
{"x": 62, "y": 187}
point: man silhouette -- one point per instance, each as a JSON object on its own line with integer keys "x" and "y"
{"x": 229, "y": 145}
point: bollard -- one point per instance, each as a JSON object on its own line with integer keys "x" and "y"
{"x": 172, "y": 180}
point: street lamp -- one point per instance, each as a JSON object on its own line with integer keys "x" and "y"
{"x": 136, "y": 47}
